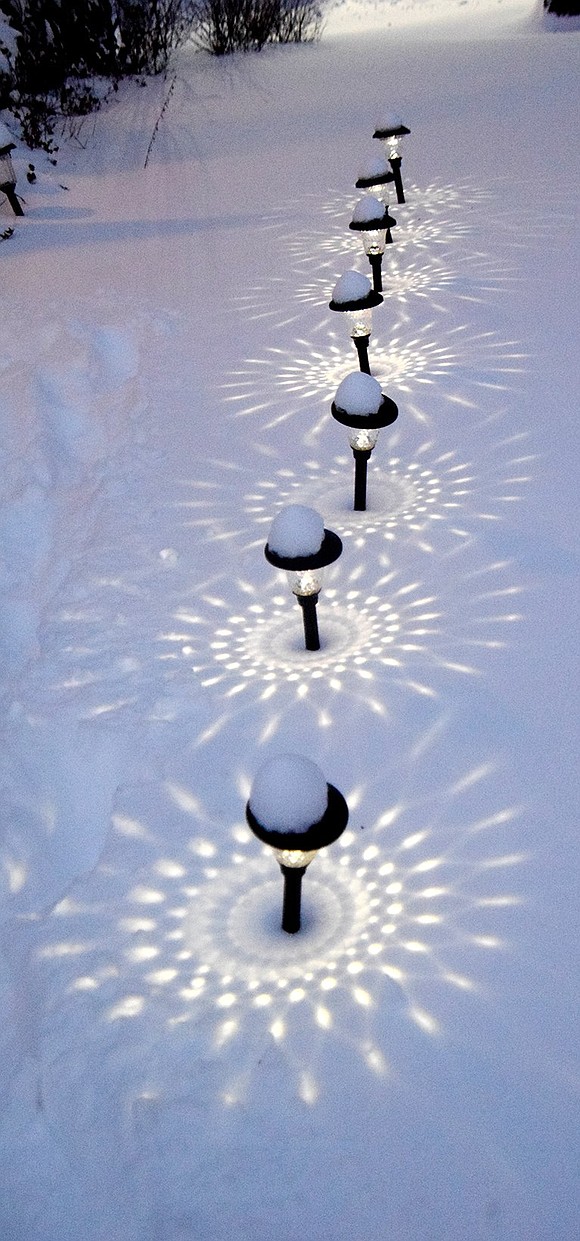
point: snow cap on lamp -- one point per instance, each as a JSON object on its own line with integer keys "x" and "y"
{"x": 353, "y": 291}
{"x": 298, "y": 540}
{"x": 370, "y": 212}
{"x": 292, "y": 807}
{"x": 390, "y": 125}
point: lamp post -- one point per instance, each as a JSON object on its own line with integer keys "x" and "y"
{"x": 391, "y": 131}
{"x": 352, "y": 295}
{"x": 360, "y": 405}
{"x": 376, "y": 177}
{"x": 7, "y": 174}
{"x": 293, "y": 809}
{"x": 371, "y": 219}
{"x": 299, "y": 543}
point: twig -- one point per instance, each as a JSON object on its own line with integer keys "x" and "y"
{"x": 159, "y": 119}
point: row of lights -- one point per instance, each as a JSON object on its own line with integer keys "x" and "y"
{"x": 291, "y": 806}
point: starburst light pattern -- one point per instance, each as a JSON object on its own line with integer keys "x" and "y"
{"x": 286, "y": 383}
{"x": 162, "y": 937}
{"x": 436, "y": 500}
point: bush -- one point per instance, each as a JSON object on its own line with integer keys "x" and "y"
{"x": 61, "y": 52}
{"x": 563, "y": 8}
{"x": 222, "y": 26}
{"x": 61, "y": 48}
{"x": 148, "y": 30}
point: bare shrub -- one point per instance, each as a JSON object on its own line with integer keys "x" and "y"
{"x": 147, "y": 31}
{"x": 223, "y": 26}
{"x": 62, "y": 53}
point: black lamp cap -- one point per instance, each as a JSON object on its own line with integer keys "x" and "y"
{"x": 359, "y": 303}
{"x": 324, "y": 832}
{"x": 7, "y": 148}
{"x": 392, "y": 131}
{"x": 381, "y": 178}
{"x": 364, "y": 226}
{"x": 385, "y": 415}
{"x": 328, "y": 552}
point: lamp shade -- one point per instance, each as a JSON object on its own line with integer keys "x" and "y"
{"x": 353, "y": 292}
{"x": 279, "y": 784}
{"x": 359, "y": 402}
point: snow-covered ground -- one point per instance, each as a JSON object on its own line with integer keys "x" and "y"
{"x": 173, "y": 1067}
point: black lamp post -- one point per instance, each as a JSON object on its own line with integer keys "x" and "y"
{"x": 294, "y": 810}
{"x": 360, "y": 405}
{"x": 391, "y": 132}
{"x": 376, "y": 177}
{"x": 7, "y": 174}
{"x": 299, "y": 543}
{"x": 353, "y": 295}
{"x": 371, "y": 219}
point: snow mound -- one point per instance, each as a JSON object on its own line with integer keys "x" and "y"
{"x": 289, "y": 794}
{"x": 359, "y": 394}
{"x": 352, "y": 287}
{"x": 375, "y": 166}
{"x": 389, "y": 120}
{"x": 367, "y": 209}
{"x": 296, "y": 531}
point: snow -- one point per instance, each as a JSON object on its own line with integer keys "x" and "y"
{"x": 388, "y": 120}
{"x": 289, "y": 794}
{"x": 359, "y": 394}
{"x": 296, "y": 530}
{"x": 366, "y": 209}
{"x": 374, "y": 166}
{"x": 174, "y": 1068}
{"x": 352, "y": 286}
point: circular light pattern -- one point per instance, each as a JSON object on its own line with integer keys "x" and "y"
{"x": 428, "y": 500}
{"x": 165, "y": 937}
{"x": 283, "y": 384}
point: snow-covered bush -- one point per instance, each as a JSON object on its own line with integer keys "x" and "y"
{"x": 61, "y": 54}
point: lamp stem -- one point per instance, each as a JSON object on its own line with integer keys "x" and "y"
{"x": 376, "y": 262}
{"x": 10, "y": 192}
{"x": 395, "y": 163}
{"x": 361, "y": 460}
{"x": 311, "y": 635}
{"x": 362, "y": 348}
{"x": 292, "y": 897}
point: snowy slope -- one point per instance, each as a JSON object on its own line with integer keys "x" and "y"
{"x": 173, "y": 1066}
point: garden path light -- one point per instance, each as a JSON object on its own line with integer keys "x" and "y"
{"x": 360, "y": 405}
{"x": 293, "y": 809}
{"x": 299, "y": 543}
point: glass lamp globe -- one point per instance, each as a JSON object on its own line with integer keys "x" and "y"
{"x": 363, "y": 439}
{"x": 360, "y": 321}
{"x": 295, "y": 858}
{"x": 306, "y": 582}
{"x": 374, "y": 240}
{"x": 393, "y": 145}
